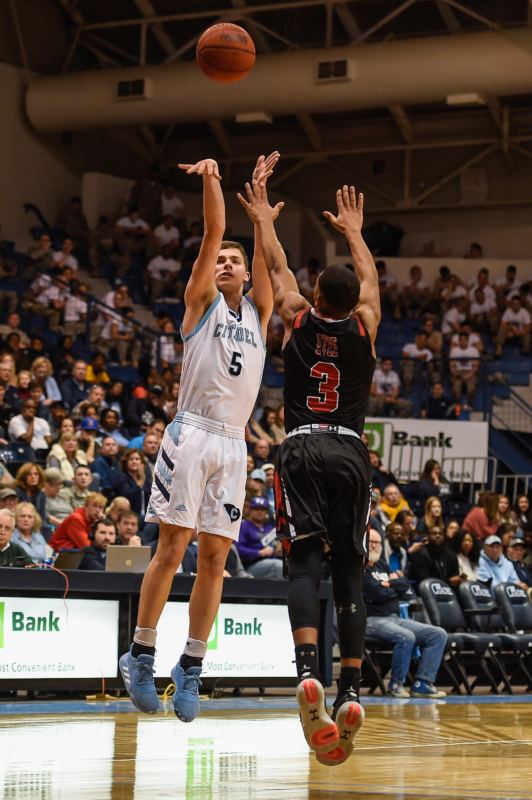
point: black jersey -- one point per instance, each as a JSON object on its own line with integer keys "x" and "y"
{"x": 329, "y": 368}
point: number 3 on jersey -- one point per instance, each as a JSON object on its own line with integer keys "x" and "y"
{"x": 329, "y": 377}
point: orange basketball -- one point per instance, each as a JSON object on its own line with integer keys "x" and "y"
{"x": 225, "y": 52}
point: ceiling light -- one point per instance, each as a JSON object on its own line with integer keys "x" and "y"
{"x": 469, "y": 99}
{"x": 254, "y": 116}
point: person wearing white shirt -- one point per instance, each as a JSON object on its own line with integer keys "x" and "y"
{"x": 388, "y": 288}
{"x": 464, "y": 371}
{"x": 507, "y": 287}
{"x": 483, "y": 313}
{"x": 171, "y": 203}
{"x": 75, "y": 313}
{"x": 50, "y": 303}
{"x": 515, "y": 326}
{"x": 482, "y": 282}
{"x": 161, "y": 274}
{"x": 135, "y": 231}
{"x": 419, "y": 351}
{"x": 171, "y": 348}
{"x": 167, "y": 233}
{"x": 474, "y": 339}
{"x": 307, "y": 277}
{"x": 454, "y": 318}
{"x": 416, "y": 294}
{"x": 30, "y": 429}
{"x": 384, "y": 396}
{"x": 64, "y": 258}
{"x": 452, "y": 291}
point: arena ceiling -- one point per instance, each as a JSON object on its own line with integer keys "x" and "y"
{"x": 406, "y": 158}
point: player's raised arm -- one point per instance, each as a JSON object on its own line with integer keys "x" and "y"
{"x": 286, "y": 295}
{"x": 201, "y": 289}
{"x": 261, "y": 292}
{"x": 349, "y": 222}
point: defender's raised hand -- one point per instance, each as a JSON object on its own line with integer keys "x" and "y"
{"x": 265, "y": 166}
{"x": 207, "y": 166}
{"x": 257, "y": 204}
{"x": 350, "y": 212}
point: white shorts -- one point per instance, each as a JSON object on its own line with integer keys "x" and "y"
{"x": 200, "y": 476}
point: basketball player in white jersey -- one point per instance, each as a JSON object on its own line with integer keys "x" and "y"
{"x": 200, "y": 475}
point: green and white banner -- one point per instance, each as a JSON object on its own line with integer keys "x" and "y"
{"x": 49, "y": 638}
{"x": 247, "y": 640}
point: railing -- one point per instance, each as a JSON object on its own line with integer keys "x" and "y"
{"x": 514, "y": 415}
{"x": 513, "y": 485}
{"x": 478, "y": 473}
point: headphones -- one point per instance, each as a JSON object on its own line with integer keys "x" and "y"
{"x": 94, "y": 528}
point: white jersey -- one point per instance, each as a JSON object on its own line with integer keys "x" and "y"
{"x": 223, "y": 361}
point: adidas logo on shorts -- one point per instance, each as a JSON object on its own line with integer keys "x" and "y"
{"x": 181, "y": 507}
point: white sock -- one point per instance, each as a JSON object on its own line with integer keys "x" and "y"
{"x": 145, "y": 636}
{"x": 195, "y": 648}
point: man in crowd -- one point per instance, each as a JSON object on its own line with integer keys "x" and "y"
{"x": 96, "y": 398}
{"x": 483, "y": 314}
{"x": 172, "y": 204}
{"x": 150, "y": 448}
{"x": 41, "y": 253}
{"x": 102, "y": 535}
{"x": 384, "y": 396}
{"x": 415, "y": 295}
{"x": 494, "y": 566}
{"x": 435, "y": 560}
{"x": 74, "y": 530}
{"x": 136, "y": 233}
{"x": 167, "y": 234}
{"x": 9, "y": 551}
{"x": 262, "y": 452}
{"x": 13, "y": 326}
{"x": 161, "y": 274}
{"x": 393, "y": 502}
{"x": 388, "y": 288}
{"x": 149, "y": 425}
{"x": 8, "y": 499}
{"x": 383, "y": 588}
{"x": 464, "y": 372}
{"x": 506, "y": 286}
{"x": 454, "y": 318}
{"x": 515, "y": 326}
{"x": 475, "y": 339}
{"x": 77, "y": 494}
{"x": 57, "y": 508}
{"x": 51, "y": 302}
{"x": 259, "y": 549}
{"x": 406, "y": 520}
{"x": 72, "y": 221}
{"x": 516, "y": 554}
{"x": 439, "y": 406}
{"x": 395, "y": 554}
{"x": 127, "y": 529}
{"x": 107, "y": 465}
{"x": 415, "y": 354}
{"x": 28, "y": 428}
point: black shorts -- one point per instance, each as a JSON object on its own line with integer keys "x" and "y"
{"x": 323, "y": 488}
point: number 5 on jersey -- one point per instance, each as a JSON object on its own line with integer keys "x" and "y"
{"x": 329, "y": 377}
{"x": 236, "y": 367}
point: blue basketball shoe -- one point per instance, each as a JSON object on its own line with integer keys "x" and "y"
{"x": 186, "y": 695}
{"x": 140, "y": 684}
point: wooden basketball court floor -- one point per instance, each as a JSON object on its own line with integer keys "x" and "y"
{"x": 246, "y": 749}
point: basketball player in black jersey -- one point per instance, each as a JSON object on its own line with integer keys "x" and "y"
{"x": 323, "y": 480}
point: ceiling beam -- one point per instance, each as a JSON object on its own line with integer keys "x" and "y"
{"x": 359, "y": 180}
{"x": 449, "y": 17}
{"x": 454, "y": 174}
{"x": 485, "y": 21}
{"x": 384, "y": 21}
{"x": 258, "y": 35}
{"x": 148, "y": 12}
{"x": 506, "y": 141}
{"x": 313, "y": 134}
{"x": 347, "y": 19}
{"x": 304, "y": 162}
{"x": 403, "y": 123}
{"x": 220, "y": 134}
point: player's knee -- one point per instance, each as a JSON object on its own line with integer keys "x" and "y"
{"x": 212, "y": 562}
{"x": 171, "y": 552}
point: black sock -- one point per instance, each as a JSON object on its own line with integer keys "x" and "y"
{"x": 189, "y": 661}
{"x": 140, "y": 649}
{"x": 307, "y": 662}
{"x": 348, "y": 681}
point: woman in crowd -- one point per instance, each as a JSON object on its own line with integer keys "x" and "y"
{"x": 522, "y": 509}
{"x": 109, "y": 427}
{"x": 505, "y": 511}
{"x": 134, "y": 481}
{"x": 57, "y": 507}
{"x": 96, "y": 370}
{"x": 170, "y": 404}
{"x": 23, "y": 384}
{"x": 483, "y": 519}
{"x": 433, "y": 516}
{"x": 42, "y": 371}
{"x": 27, "y": 532}
{"x": 506, "y": 532}
{"x": 277, "y": 429}
{"x": 29, "y": 484}
{"x": 66, "y": 455}
{"x": 467, "y": 548}
{"x": 262, "y": 429}
{"x": 432, "y": 482}
{"x": 117, "y": 507}
{"x": 116, "y": 399}
{"x": 451, "y": 529}
{"x": 251, "y": 464}
{"x": 67, "y": 426}
{"x": 381, "y": 476}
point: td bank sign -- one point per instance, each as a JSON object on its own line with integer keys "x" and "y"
{"x": 232, "y": 626}
{"x": 46, "y": 622}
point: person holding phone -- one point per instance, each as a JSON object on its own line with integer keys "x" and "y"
{"x": 435, "y": 560}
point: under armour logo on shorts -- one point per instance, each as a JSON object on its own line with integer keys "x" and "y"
{"x": 233, "y": 511}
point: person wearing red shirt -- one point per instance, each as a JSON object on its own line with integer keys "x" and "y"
{"x": 74, "y": 530}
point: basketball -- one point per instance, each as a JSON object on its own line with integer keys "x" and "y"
{"x": 225, "y": 52}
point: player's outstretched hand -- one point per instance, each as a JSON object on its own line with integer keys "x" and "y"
{"x": 350, "y": 212}
{"x": 265, "y": 166}
{"x": 206, "y": 167}
{"x": 257, "y": 204}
